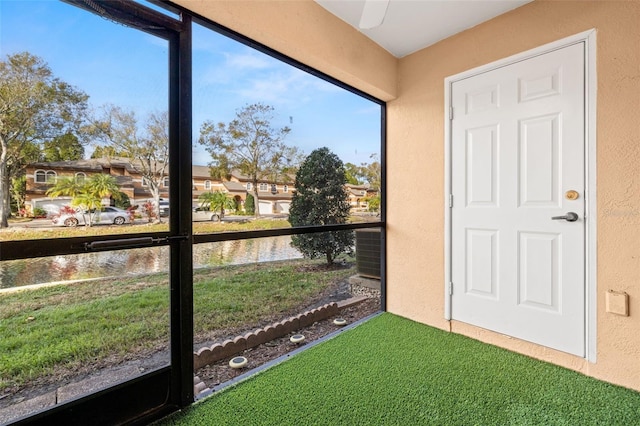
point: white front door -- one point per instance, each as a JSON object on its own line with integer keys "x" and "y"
{"x": 517, "y": 162}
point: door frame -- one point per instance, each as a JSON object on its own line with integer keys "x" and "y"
{"x": 589, "y": 40}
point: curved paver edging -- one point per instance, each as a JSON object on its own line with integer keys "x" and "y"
{"x": 218, "y": 351}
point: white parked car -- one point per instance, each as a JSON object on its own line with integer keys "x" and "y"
{"x": 203, "y": 213}
{"x": 106, "y": 215}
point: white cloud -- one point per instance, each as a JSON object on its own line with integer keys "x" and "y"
{"x": 225, "y": 67}
{"x": 247, "y": 60}
{"x": 286, "y": 86}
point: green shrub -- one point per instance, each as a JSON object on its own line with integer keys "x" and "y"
{"x": 374, "y": 203}
{"x": 250, "y": 205}
{"x": 319, "y": 199}
{"x": 122, "y": 201}
{"x": 39, "y": 212}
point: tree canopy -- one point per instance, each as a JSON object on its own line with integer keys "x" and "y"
{"x": 146, "y": 144}
{"x": 250, "y": 144}
{"x": 372, "y": 172}
{"x": 63, "y": 147}
{"x": 107, "y": 151}
{"x": 369, "y": 173}
{"x": 35, "y": 107}
{"x": 320, "y": 199}
{"x": 352, "y": 173}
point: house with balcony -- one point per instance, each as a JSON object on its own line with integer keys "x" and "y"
{"x": 42, "y": 176}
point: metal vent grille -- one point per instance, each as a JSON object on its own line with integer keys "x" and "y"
{"x": 368, "y": 253}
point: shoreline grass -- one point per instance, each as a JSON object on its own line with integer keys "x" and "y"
{"x": 251, "y": 224}
{"x": 87, "y": 322}
{"x": 22, "y": 233}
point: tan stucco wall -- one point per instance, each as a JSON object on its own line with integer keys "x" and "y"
{"x": 305, "y": 31}
{"x": 414, "y": 86}
{"x": 415, "y": 270}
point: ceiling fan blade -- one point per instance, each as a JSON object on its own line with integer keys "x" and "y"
{"x": 373, "y": 13}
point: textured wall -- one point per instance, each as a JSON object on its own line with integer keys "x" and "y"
{"x": 415, "y": 271}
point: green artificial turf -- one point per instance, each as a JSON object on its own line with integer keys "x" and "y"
{"x": 392, "y": 371}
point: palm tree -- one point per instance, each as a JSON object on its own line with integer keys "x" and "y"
{"x": 65, "y": 186}
{"x": 216, "y": 201}
{"x": 87, "y": 195}
{"x": 103, "y": 185}
{"x": 97, "y": 188}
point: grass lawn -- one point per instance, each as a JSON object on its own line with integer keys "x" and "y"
{"x": 63, "y": 327}
{"x": 392, "y": 371}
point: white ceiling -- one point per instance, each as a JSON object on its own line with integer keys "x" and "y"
{"x": 410, "y": 25}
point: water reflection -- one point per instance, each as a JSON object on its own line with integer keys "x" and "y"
{"x": 15, "y": 273}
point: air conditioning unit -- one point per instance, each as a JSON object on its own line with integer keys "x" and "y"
{"x": 368, "y": 253}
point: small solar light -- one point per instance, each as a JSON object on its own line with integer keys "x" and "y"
{"x": 340, "y": 321}
{"x": 238, "y": 362}
{"x": 297, "y": 338}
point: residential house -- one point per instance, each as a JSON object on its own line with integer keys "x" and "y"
{"x": 359, "y": 195}
{"x": 41, "y": 177}
{"x": 274, "y": 198}
{"x": 203, "y": 182}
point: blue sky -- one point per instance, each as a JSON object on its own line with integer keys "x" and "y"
{"x": 118, "y": 65}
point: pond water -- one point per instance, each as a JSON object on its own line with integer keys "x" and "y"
{"x": 17, "y": 273}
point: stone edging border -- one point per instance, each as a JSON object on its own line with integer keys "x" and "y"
{"x": 230, "y": 347}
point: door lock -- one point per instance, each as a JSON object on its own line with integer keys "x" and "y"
{"x": 572, "y": 195}
{"x": 569, "y": 217}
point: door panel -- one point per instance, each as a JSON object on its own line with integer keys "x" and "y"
{"x": 481, "y": 162}
{"x": 481, "y": 258}
{"x": 539, "y": 162}
{"x": 539, "y": 264}
{"x": 517, "y": 147}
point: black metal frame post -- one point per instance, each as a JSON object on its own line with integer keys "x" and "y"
{"x": 180, "y": 220}
{"x": 383, "y": 206}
